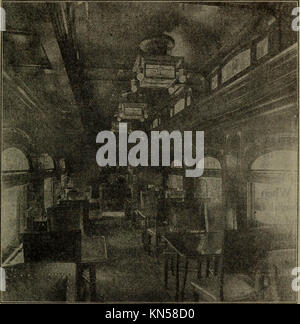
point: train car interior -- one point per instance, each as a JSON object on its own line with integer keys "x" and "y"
{"x": 75, "y": 231}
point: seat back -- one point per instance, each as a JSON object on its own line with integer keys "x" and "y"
{"x": 52, "y": 246}
{"x": 81, "y": 207}
{"x": 69, "y": 215}
{"x": 63, "y": 219}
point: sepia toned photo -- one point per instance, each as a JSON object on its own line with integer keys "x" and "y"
{"x": 149, "y": 153}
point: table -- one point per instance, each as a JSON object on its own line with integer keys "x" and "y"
{"x": 68, "y": 247}
{"x": 189, "y": 246}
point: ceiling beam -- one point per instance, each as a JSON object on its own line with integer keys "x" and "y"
{"x": 51, "y": 47}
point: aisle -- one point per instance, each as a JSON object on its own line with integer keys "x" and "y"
{"x": 129, "y": 275}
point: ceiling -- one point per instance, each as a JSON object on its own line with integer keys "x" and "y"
{"x": 109, "y": 33}
{"x": 77, "y": 58}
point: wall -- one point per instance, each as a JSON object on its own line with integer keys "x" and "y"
{"x": 13, "y": 208}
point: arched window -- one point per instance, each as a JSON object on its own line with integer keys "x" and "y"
{"x": 211, "y": 163}
{"x": 14, "y": 161}
{"x": 212, "y": 167}
{"x": 272, "y": 189}
{"x": 276, "y": 161}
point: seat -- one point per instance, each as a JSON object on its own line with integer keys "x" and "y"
{"x": 214, "y": 285}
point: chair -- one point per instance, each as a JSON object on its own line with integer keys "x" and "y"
{"x": 70, "y": 215}
{"x": 64, "y": 218}
{"x": 151, "y": 238}
{"x": 86, "y": 267}
{"x": 153, "y": 224}
{"x": 212, "y": 283}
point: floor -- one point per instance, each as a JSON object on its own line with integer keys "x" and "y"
{"x": 129, "y": 274}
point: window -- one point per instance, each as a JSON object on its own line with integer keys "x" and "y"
{"x": 262, "y": 48}
{"x": 14, "y": 200}
{"x": 13, "y": 217}
{"x": 214, "y": 82}
{"x": 272, "y": 189}
{"x": 275, "y": 203}
{"x": 236, "y": 65}
{"x": 272, "y": 210}
{"x": 189, "y": 97}
{"x": 179, "y": 106}
{"x": 156, "y": 122}
{"x": 171, "y": 112}
{"x": 211, "y": 163}
{"x": 14, "y": 161}
{"x": 276, "y": 161}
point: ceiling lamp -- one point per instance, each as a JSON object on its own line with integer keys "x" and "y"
{"x": 155, "y": 68}
{"x": 132, "y": 111}
{"x": 157, "y": 46}
{"x": 158, "y": 72}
